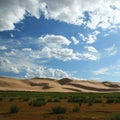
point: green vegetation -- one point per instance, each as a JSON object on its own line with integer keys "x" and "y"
{"x": 56, "y": 100}
{"x": 115, "y": 117}
{"x": 14, "y": 109}
{"x": 11, "y": 99}
{"x": 26, "y": 99}
{"x": 76, "y": 97}
{"x": 1, "y": 98}
{"x": 49, "y": 100}
{"x": 104, "y": 104}
{"x": 58, "y": 110}
{"x": 76, "y": 109}
{"x": 37, "y": 103}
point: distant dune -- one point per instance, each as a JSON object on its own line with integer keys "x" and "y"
{"x": 52, "y": 85}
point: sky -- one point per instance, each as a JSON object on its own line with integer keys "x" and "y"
{"x": 60, "y": 38}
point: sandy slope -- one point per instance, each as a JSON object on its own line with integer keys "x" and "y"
{"x": 52, "y": 85}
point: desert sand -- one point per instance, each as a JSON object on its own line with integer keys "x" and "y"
{"x": 53, "y": 85}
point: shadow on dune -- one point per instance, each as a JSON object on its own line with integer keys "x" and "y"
{"x": 92, "y": 88}
{"x": 75, "y": 90}
{"x": 64, "y": 81}
{"x": 43, "y": 85}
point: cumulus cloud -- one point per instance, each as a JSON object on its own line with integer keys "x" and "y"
{"x": 28, "y": 62}
{"x": 14, "y": 70}
{"x": 3, "y": 47}
{"x": 6, "y": 66}
{"x": 12, "y": 12}
{"x": 101, "y": 14}
{"x": 91, "y": 49}
{"x": 90, "y": 38}
{"x": 75, "y": 41}
{"x": 44, "y": 72}
{"x": 89, "y": 56}
{"x": 30, "y": 69}
{"x": 54, "y": 40}
{"x": 55, "y": 46}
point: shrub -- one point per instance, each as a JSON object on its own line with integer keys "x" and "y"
{"x": 58, "y": 110}
{"x": 98, "y": 100}
{"x": 77, "y": 99}
{"x": 49, "y": 100}
{"x": 117, "y": 100}
{"x": 37, "y": 103}
{"x": 76, "y": 109}
{"x": 110, "y": 100}
{"x": 115, "y": 117}
{"x": 14, "y": 109}
{"x": 56, "y": 100}
{"x": 1, "y": 98}
{"x": 90, "y": 102}
{"x": 26, "y": 99}
{"x": 40, "y": 99}
{"x": 11, "y": 99}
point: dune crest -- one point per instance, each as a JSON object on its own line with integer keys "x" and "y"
{"x": 52, "y": 85}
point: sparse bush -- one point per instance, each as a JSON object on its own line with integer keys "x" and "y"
{"x": 1, "y": 98}
{"x": 77, "y": 99}
{"x": 14, "y": 109}
{"x": 90, "y": 102}
{"x": 37, "y": 103}
{"x": 110, "y": 100}
{"x": 115, "y": 117}
{"x": 40, "y": 99}
{"x": 117, "y": 100}
{"x": 76, "y": 109}
{"x": 56, "y": 100}
{"x": 49, "y": 100}
{"x": 11, "y": 99}
{"x": 26, "y": 99}
{"x": 98, "y": 100}
{"x": 58, "y": 110}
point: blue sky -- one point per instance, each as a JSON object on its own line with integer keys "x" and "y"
{"x": 60, "y": 38}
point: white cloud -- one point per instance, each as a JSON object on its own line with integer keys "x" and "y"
{"x": 12, "y": 12}
{"x": 90, "y": 38}
{"x": 101, "y": 71}
{"x": 52, "y": 46}
{"x": 14, "y": 70}
{"x": 54, "y": 40}
{"x": 27, "y": 49}
{"x": 75, "y": 41}
{"x": 7, "y": 66}
{"x": 13, "y": 52}
{"x": 3, "y": 47}
{"x": 112, "y": 50}
{"x": 31, "y": 69}
{"x": 45, "y": 72}
{"x": 55, "y": 46}
{"x": 91, "y": 49}
{"x": 89, "y": 56}
{"x": 102, "y": 14}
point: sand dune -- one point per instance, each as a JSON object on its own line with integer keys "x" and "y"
{"x": 52, "y": 85}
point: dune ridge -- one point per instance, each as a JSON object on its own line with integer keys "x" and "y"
{"x": 53, "y": 85}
